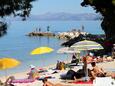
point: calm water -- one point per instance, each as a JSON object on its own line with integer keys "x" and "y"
{"x": 17, "y": 45}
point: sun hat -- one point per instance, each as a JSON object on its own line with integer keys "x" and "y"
{"x": 32, "y": 66}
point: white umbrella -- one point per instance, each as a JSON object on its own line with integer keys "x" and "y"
{"x": 67, "y": 50}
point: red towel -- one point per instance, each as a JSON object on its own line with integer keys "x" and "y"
{"x": 83, "y": 82}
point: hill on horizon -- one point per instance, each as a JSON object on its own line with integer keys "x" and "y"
{"x": 63, "y": 16}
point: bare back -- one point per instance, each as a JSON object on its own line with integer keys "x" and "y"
{"x": 97, "y": 70}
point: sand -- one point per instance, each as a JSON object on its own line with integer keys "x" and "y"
{"x": 105, "y": 65}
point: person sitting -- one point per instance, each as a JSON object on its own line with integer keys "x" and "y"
{"x": 73, "y": 59}
{"x": 96, "y": 71}
{"x": 33, "y": 74}
{"x": 62, "y": 66}
{"x": 48, "y": 83}
{"x": 58, "y": 65}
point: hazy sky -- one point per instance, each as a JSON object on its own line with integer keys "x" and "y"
{"x": 54, "y": 6}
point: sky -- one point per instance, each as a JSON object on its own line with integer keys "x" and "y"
{"x": 55, "y": 6}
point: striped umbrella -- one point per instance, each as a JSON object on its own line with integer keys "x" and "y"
{"x": 86, "y": 45}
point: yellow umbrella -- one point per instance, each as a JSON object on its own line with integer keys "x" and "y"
{"x": 41, "y": 50}
{"x": 6, "y": 63}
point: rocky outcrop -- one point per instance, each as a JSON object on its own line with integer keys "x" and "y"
{"x": 41, "y": 34}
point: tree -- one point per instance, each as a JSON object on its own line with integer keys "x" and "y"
{"x": 20, "y": 8}
{"x": 107, "y": 9}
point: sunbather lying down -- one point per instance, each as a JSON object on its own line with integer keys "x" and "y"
{"x": 10, "y": 80}
{"x": 48, "y": 83}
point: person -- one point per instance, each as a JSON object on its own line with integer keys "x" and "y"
{"x": 8, "y": 81}
{"x": 58, "y": 65}
{"x": 1, "y": 83}
{"x": 33, "y": 74}
{"x": 96, "y": 71}
{"x": 36, "y": 30}
{"x": 39, "y": 29}
{"x": 69, "y": 75}
{"x": 48, "y": 83}
{"x": 73, "y": 59}
{"x": 84, "y": 73}
{"x": 62, "y": 66}
{"x": 48, "y": 28}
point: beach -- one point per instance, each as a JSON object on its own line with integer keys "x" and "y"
{"x": 22, "y": 46}
{"x": 107, "y": 66}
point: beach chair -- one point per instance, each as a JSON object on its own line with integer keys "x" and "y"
{"x": 103, "y": 81}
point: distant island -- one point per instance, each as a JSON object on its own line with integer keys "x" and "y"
{"x": 63, "y": 16}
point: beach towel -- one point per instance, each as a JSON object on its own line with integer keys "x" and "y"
{"x": 22, "y": 80}
{"x": 82, "y": 82}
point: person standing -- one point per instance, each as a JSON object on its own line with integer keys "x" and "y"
{"x": 48, "y": 28}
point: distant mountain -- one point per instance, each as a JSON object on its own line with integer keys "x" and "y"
{"x": 64, "y": 16}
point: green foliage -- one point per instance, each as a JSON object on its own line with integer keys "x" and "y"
{"x": 15, "y": 7}
{"x": 107, "y": 9}
{"x": 113, "y": 2}
{"x": 3, "y": 28}
{"x": 20, "y": 8}
{"x": 102, "y": 6}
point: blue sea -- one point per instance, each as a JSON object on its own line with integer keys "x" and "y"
{"x": 17, "y": 45}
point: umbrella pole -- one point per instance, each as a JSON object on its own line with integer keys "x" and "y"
{"x": 6, "y": 73}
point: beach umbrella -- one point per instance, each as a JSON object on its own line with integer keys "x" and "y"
{"x": 41, "y": 50}
{"x": 6, "y": 63}
{"x": 86, "y": 45}
{"x": 67, "y": 50}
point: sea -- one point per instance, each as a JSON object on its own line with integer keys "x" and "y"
{"x": 16, "y": 44}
